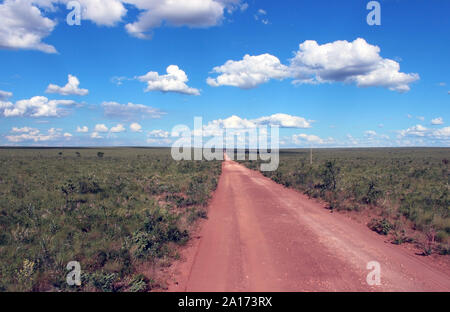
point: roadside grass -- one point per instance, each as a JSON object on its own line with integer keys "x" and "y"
{"x": 114, "y": 210}
{"x": 406, "y": 190}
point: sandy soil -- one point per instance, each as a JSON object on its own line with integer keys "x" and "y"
{"x": 261, "y": 236}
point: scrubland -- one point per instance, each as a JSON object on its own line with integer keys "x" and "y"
{"x": 116, "y": 211}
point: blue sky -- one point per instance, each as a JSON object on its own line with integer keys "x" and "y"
{"x": 314, "y": 68}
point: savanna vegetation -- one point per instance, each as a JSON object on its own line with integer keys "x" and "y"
{"x": 405, "y": 190}
{"x": 118, "y": 212}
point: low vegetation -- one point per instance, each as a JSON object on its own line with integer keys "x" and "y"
{"x": 114, "y": 211}
{"x": 406, "y": 190}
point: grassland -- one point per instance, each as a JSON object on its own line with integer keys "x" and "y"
{"x": 116, "y": 211}
{"x": 405, "y": 190}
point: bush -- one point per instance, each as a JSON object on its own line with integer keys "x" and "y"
{"x": 381, "y": 226}
{"x": 103, "y": 281}
{"x": 139, "y": 283}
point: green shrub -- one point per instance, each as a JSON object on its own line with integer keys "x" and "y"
{"x": 139, "y": 283}
{"x": 381, "y": 226}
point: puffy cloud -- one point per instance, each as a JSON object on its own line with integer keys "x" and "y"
{"x": 417, "y": 130}
{"x": 216, "y": 127}
{"x": 100, "y": 128}
{"x": 32, "y": 134}
{"x": 284, "y": 121}
{"x": 67, "y": 135}
{"x": 130, "y": 111}
{"x": 249, "y": 72}
{"x": 158, "y": 137}
{"x": 118, "y": 128}
{"x": 23, "y": 26}
{"x": 373, "y": 136}
{"x": 437, "y": 121}
{"x": 4, "y": 95}
{"x": 423, "y": 132}
{"x": 135, "y": 127}
{"x": 339, "y": 61}
{"x": 387, "y": 75}
{"x": 310, "y": 139}
{"x": 370, "y": 133}
{"x": 192, "y": 13}
{"x": 159, "y": 141}
{"x": 443, "y": 133}
{"x": 71, "y": 88}
{"x": 83, "y": 129}
{"x": 174, "y": 81}
{"x": 102, "y": 12}
{"x": 4, "y": 105}
{"x": 37, "y": 106}
{"x": 96, "y": 135}
{"x": 158, "y": 134}
{"x": 345, "y": 61}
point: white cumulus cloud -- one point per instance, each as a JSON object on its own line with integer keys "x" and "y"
{"x": 441, "y": 134}
{"x": 102, "y": 12}
{"x": 71, "y": 88}
{"x": 216, "y": 127}
{"x": 22, "y": 26}
{"x": 284, "y": 121}
{"x": 37, "y": 106}
{"x": 83, "y": 129}
{"x": 340, "y": 61}
{"x": 118, "y": 128}
{"x": 135, "y": 127}
{"x": 370, "y": 133}
{"x": 100, "y": 128}
{"x": 174, "y": 81}
{"x": 192, "y": 13}
{"x": 32, "y": 134}
{"x": 437, "y": 121}
{"x": 158, "y": 133}
{"x": 356, "y": 61}
{"x": 310, "y": 139}
{"x": 96, "y": 135}
{"x": 249, "y": 72}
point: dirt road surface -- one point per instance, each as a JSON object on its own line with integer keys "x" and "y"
{"x": 261, "y": 236}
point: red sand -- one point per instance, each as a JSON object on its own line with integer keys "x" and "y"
{"x": 261, "y": 236}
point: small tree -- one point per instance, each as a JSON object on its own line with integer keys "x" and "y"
{"x": 100, "y": 154}
{"x": 329, "y": 175}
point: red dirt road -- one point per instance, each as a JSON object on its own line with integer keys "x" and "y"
{"x": 261, "y": 236}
